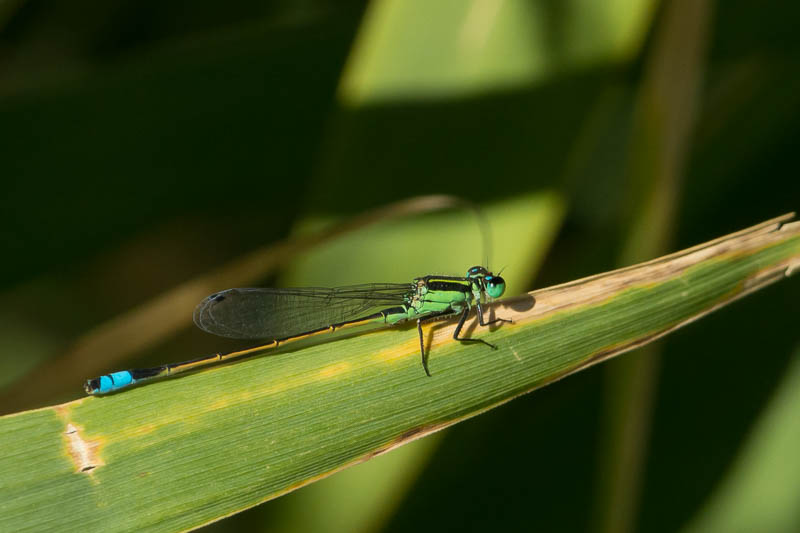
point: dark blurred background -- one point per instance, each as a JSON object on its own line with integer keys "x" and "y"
{"x": 144, "y": 144}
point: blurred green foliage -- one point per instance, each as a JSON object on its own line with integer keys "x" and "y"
{"x": 143, "y": 143}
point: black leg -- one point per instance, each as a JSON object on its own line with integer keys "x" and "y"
{"x": 467, "y": 339}
{"x": 480, "y": 318}
{"x": 425, "y": 320}
{"x": 422, "y": 348}
{"x": 456, "y": 333}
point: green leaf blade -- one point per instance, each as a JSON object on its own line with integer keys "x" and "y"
{"x": 180, "y": 453}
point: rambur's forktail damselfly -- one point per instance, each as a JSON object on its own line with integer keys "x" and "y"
{"x": 284, "y": 315}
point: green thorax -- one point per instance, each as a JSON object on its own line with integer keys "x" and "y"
{"x": 438, "y": 294}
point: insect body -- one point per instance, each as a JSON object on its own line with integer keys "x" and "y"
{"x": 283, "y": 315}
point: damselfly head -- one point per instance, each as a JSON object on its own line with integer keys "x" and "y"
{"x": 494, "y": 286}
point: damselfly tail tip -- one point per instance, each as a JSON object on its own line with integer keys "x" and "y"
{"x": 92, "y": 386}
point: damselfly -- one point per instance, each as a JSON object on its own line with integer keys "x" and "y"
{"x": 284, "y": 315}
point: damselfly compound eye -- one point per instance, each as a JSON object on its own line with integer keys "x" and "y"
{"x": 495, "y": 286}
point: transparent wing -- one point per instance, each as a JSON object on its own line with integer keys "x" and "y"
{"x": 279, "y": 313}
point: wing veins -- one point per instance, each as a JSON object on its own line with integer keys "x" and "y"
{"x": 261, "y": 313}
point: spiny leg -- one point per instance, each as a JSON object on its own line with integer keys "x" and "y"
{"x": 422, "y": 348}
{"x": 461, "y": 325}
{"x": 496, "y": 320}
{"x": 425, "y": 320}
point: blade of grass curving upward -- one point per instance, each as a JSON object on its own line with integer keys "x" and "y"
{"x": 177, "y": 454}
